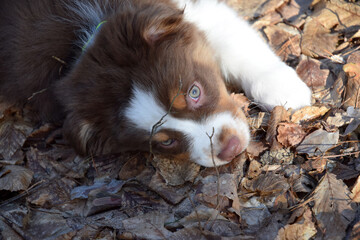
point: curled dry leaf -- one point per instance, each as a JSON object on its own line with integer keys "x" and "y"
{"x": 290, "y": 134}
{"x": 278, "y": 114}
{"x": 308, "y": 113}
{"x": 332, "y": 207}
{"x": 15, "y": 178}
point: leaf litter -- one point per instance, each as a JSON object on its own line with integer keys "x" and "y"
{"x": 299, "y": 178}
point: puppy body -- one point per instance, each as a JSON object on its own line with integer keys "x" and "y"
{"x": 129, "y": 64}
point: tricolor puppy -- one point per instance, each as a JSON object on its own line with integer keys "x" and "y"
{"x": 113, "y": 68}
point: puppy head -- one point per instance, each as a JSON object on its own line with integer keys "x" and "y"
{"x": 151, "y": 78}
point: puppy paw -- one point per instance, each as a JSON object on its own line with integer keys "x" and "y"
{"x": 280, "y": 87}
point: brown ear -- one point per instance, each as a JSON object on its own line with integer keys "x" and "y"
{"x": 163, "y": 27}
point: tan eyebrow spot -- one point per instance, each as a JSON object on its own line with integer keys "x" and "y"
{"x": 161, "y": 137}
{"x": 179, "y": 100}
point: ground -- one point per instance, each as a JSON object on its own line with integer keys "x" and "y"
{"x": 298, "y": 179}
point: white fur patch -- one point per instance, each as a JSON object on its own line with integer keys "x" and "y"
{"x": 144, "y": 111}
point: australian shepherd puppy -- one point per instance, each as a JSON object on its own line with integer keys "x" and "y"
{"x": 130, "y": 74}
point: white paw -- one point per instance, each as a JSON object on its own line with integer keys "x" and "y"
{"x": 280, "y": 87}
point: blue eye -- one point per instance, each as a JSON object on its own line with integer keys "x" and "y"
{"x": 195, "y": 92}
{"x": 168, "y": 142}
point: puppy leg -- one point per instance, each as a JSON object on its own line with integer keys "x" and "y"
{"x": 245, "y": 58}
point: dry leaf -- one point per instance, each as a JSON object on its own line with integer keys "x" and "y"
{"x": 311, "y": 72}
{"x": 15, "y": 178}
{"x": 355, "y": 192}
{"x": 290, "y": 134}
{"x": 256, "y": 8}
{"x": 278, "y": 114}
{"x": 352, "y": 70}
{"x": 303, "y": 230}
{"x": 258, "y": 120}
{"x": 332, "y": 208}
{"x": 285, "y": 41}
{"x": 308, "y": 113}
{"x": 176, "y": 171}
{"x": 317, "y": 39}
{"x": 254, "y": 149}
{"x": 148, "y": 226}
{"x": 318, "y": 142}
{"x": 13, "y": 133}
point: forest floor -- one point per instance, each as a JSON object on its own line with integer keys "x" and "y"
{"x": 298, "y": 179}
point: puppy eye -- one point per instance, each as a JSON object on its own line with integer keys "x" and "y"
{"x": 195, "y": 93}
{"x": 168, "y": 143}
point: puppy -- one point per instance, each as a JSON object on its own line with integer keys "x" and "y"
{"x": 140, "y": 74}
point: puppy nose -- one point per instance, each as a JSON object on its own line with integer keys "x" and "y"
{"x": 231, "y": 149}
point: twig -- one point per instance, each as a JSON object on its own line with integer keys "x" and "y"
{"x": 339, "y": 155}
{"x": 36, "y": 93}
{"x": 59, "y": 60}
{"x": 216, "y": 169}
{"x": 160, "y": 122}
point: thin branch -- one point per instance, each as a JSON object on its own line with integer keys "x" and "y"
{"x": 160, "y": 122}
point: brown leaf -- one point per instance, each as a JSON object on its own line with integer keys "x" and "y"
{"x": 266, "y": 184}
{"x": 13, "y": 133}
{"x": 290, "y": 134}
{"x": 355, "y": 192}
{"x": 256, "y": 148}
{"x": 311, "y": 72}
{"x": 148, "y": 226}
{"x": 15, "y": 178}
{"x": 308, "y": 113}
{"x": 332, "y": 208}
{"x": 317, "y": 39}
{"x": 176, "y": 171}
{"x": 285, "y": 40}
{"x": 302, "y": 230}
{"x": 256, "y": 8}
{"x": 278, "y": 114}
{"x": 352, "y": 98}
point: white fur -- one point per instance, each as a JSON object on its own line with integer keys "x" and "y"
{"x": 244, "y": 56}
{"x": 144, "y": 111}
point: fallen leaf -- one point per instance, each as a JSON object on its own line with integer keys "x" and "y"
{"x": 302, "y": 230}
{"x": 13, "y": 133}
{"x": 355, "y": 192}
{"x": 311, "y": 72}
{"x": 290, "y": 134}
{"x": 15, "y": 178}
{"x": 176, "y": 171}
{"x": 278, "y": 114}
{"x": 318, "y": 142}
{"x": 317, "y": 40}
{"x": 256, "y": 8}
{"x": 332, "y": 208}
{"x": 352, "y": 98}
{"x": 148, "y": 226}
{"x": 308, "y": 113}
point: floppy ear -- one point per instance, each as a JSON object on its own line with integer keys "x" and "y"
{"x": 165, "y": 26}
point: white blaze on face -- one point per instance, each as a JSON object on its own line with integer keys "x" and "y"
{"x": 144, "y": 112}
